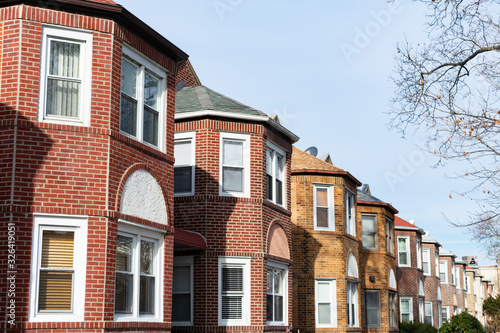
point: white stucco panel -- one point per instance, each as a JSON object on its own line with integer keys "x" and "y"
{"x": 142, "y": 197}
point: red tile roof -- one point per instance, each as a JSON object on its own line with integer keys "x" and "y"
{"x": 403, "y": 223}
{"x": 190, "y": 238}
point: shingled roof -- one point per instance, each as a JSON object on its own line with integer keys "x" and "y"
{"x": 366, "y": 198}
{"x": 109, "y": 2}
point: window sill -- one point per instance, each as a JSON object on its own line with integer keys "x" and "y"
{"x": 56, "y": 317}
{"x": 137, "y": 319}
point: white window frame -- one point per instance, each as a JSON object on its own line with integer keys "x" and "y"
{"x": 245, "y": 138}
{"x": 426, "y": 254}
{"x": 467, "y": 285}
{"x": 352, "y": 299}
{"x": 391, "y": 299}
{"x": 436, "y": 255}
{"x": 421, "y": 313}
{"x": 333, "y": 302}
{"x": 374, "y": 234}
{"x": 428, "y": 305}
{"x": 137, "y": 232}
{"x": 452, "y": 272}
{"x": 408, "y": 251}
{"x": 245, "y": 316}
{"x": 275, "y": 150}
{"x": 331, "y": 206}
{"x": 77, "y": 224}
{"x": 410, "y": 307}
{"x": 283, "y": 267}
{"x": 445, "y": 273}
{"x": 457, "y": 277}
{"x": 187, "y": 137}
{"x": 147, "y": 65}
{"x": 186, "y": 262}
{"x": 389, "y": 235}
{"x": 350, "y": 223}
{"x": 445, "y": 308}
{"x": 418, "y": 245}
{"x": 440, "y": 318}
{"x": 379, "y": 312}
{"x": 84, "y": 38}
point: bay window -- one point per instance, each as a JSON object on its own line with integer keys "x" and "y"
{"x": 369, "y": 232}
{"x": 234, "y": 164}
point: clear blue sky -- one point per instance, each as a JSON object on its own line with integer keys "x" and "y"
{"x": 324, "y": 68}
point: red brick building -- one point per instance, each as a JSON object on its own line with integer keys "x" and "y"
{"x": 378, "y": 262}
{"x": 410, "y": 275}
{"x": 447, "y": 276}
{"x": 233, "y": 265}
{"x": 460, "y": 286}
{"x": 86, "y": 189}
{"x": 326, "y": 247}
{"x": 432, "y": 283}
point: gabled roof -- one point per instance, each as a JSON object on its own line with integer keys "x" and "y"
{"x": 368, "y": 199}
{"x": 446, "y": 253}
{"x": 429, "y": 240}
{"x": 401, "y": 224}
{"x": 305, "y": 163}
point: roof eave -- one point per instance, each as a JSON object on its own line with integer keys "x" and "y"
{"x": 328, "y": 172}
{"x": 418, "y": 230}
{"x": 263, "y": 119}
{"x": 120, "y": 15}
{"x": 383, "y": 204}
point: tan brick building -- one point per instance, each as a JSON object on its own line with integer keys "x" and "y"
{"x": 326, "y": 247}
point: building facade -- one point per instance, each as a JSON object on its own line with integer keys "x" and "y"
{"x": 432, "y": 284}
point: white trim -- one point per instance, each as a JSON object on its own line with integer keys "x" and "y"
{"x": 428, "y": 251}
{"x": 84, "y": 39}
{"x": 352, "y": 299}
{"x": 408, "y": 251}
{"x": 79, "y": 226}
{"x": 421, "y": 309}
{"x": 186, "y": 261}
{"x": 146, "y": 64}
{"x": 430, "y": 307}
{"x": 284, "y": 268}
{"x": 277, "y": 150}
{"x": 410, "y": 306}
{"x": 331, "y": 206}
{"x": 137, "y": 232}
{"x": 187, "y": 136}
{"x": 445, "y": 273}
{"x": 418, "y": 246}
{"x": 245, "y": 138}
{"x": 333, "y": 302}
{"x": 350, "y": 224}
{"x": 245, "y": 263}
{"x": 266, "y": 119}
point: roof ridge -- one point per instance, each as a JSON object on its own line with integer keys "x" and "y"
{"x": 203, "y": 97}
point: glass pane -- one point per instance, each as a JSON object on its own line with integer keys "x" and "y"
{"x": 405, "y": 306}
{"x": 181, "y": 307}
{"x": 269, "y": 183}
{"x": 55, "y": 291}
{"x": 147, "y": 295}
{"x": 232, "y": 179}
{"x": 233, "y": 153}
{"x": 278, "y": 308}
{"x": 63, "y": 98}
{"x": 402, "y": 258}
{"x": 123, "y": 293}
{"x": 232, "y": 279}
{"x": 324, "y": 314}
{"x": 269, "y": 163}
{"x": 368, "y": 223}
{"x": 269, "y": 308}
{"x": 147, "y": 250}
{"x": 182, "y": 152}
{"x": 64, "y": 59}
{"x": 182, "y": 279}
{"x": 182, "y": 180}
{"x": 269, "y": 281}
{"x": 280, "y": 167}
{"x": 57, "y": 249}
{"x": 372, "y": 317}
{"x": 402, "y": 244}
{"x": 368, "y": 240}
{"x": 278, "y": 284}
{"x": 150, "y": 126}
{"x": 128, "y": 115}
{"x": 372, "y": 300}
{"x": 151, "y": 89}
{"x": 405, "y": 317}
{"x": 129, "y": 78}
{"x": 123, "y": 254}
{"x": 324, "y": 292}
{"x": 279, "y": 192}
{"x": 322, "y": 197}
{"x": 232, "y": 307}
{"x": 322, "y": 217}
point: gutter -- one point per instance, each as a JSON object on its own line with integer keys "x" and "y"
{"x": 420, "y": 231}
{"x": 383, "y": 204}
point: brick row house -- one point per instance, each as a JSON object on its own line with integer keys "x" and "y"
{"x": 432, "y": 282}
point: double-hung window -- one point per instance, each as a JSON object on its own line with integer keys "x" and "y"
{"x": 443, "y": 271}
{"x": 457, "y": 277}
{"x": 406, "y": 309}
{"x": 404, "y": 251}
{"x": 350, "y": 213}
{"x": 369, "y": 232}
{"x": 184, "y": 166}
{"x": 419, "y": 253}
{"x": 275, "y": 174}
{"x": 58, "y": 269}
{"x": 452, "y": 272}
{"x": 234, "y": 164}
{"x": 352, "y": 304}
{"x": 428, "y": 313}
{"x": 234, "y": 291}
{"x": 326, "y": 303}
{"x": 436, "y": 262}
{"x": 445, "y": 313}
{"x": 421, "y": 310}
{"x": 389, "y": 235}
{"x": 142, "y": 101}
{"x": 138, "y": 273}
{"x": 182, "y": 291}
{"x": 392, "y": 309}
{"x": 426, "y": 261}
{"x": 372, "y": 308}
{"x": 277, "y": 287}
{"x": 66, "y": 75}
{"x": 324, "y": 214}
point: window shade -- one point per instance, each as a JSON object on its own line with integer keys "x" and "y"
{"x": 232, "y": 279}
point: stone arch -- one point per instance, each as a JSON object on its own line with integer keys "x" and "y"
{"x": 352, "y": 266}
{"x": 392, "y": 279}
{"x": 142, "y": 196}
{"x": 277, "y": 241}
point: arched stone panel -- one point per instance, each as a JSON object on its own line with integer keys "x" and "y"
{"x": 392, "y": 279}
{"x": 142, "y": 197}
{"x": 278, "y": 242}
{"x": 421, "y": 291}
{"x": 352, "y": 267}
